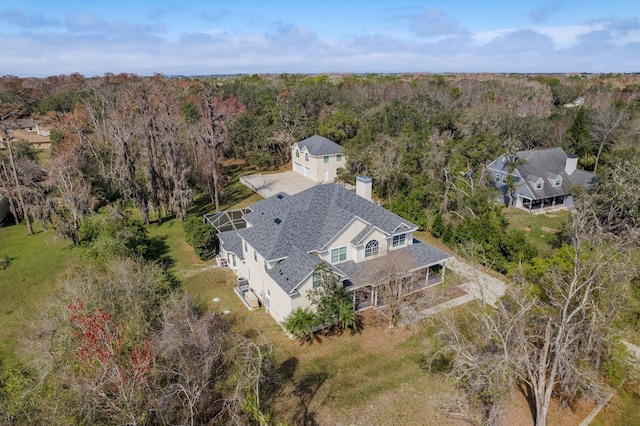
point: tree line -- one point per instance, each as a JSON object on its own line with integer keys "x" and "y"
{"x": 154, "y": 142}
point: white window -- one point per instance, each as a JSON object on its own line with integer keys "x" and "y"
{"x": 326, "y": 158}
{"x": 338, "y": 157}
{"x": 255, "y": 256}
{"x": 498, "y": 178}
{"x": 297, "y": 154}
{"x": 317, "y": 279}
{"x": 266, "y": 265}
{"x": 399, "y": 240}
{"x": 371, "y": 249}
{"x": 538, "y": 185}
{"x": 504, "y": 179}
{"x": 245, "y": 246}
{"x": 306, "y": 157}
{"x": 339, "y": 254}
{"x": 557, "y": 182}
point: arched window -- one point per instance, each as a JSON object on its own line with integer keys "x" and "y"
{"x": 297, "y": 153}
{"x": 371, "y": 249}
{"x": 306, "y": 156}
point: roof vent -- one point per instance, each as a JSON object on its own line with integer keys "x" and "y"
{"x": 280, "y": 196}
{"x": 277, "y": 221}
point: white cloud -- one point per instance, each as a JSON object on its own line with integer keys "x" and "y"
{"x": 94, "y": 46}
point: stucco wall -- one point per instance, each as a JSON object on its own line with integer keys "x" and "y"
{"x": 317, "y": 166}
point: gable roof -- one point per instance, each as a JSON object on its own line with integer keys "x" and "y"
{"x": 312, "y": 218}
{"x": 319, "y": 145}
{"x": 307, "y": 222}
{"x": 546, "y": 164}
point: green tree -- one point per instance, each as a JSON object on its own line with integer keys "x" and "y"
{"x": 112, "y": 232}
{"x": 201, "y": 236}
{"x": 332, "y": 303}
{"x": 578, "y": 138}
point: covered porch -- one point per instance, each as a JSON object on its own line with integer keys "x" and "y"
{"x": 543, "y": 204}
{"x": 366, "y": 295}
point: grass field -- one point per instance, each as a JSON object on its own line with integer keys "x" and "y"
{"x": 37, "y": 261}
{"x": 540, "y": 229}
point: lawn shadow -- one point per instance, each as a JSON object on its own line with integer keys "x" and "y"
{"x": 305, "y": 391}
{"x": 159, "y": 251}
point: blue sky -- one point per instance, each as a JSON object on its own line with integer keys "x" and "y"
{"x": 40, "y": 38}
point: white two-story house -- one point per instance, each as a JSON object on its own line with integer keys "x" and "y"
{"x": 317, "y": 158}
{"x": 287, "y": 236}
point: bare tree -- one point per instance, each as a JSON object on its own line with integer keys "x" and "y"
{"x": 553, "y": 330}
{"x": 392, "y": 276}
{"x": 190, "y": 354}
{"x": 216, "y": 117}
{"x": 18, "y": 188}
{"x": 606, "y": 122}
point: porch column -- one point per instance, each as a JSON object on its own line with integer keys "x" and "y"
{"x": 530, "y": 205}
{"x": 354, "y": 300}
{"x": 553, "y": 202}
{"x": 375, "y": 296}
{"x": 443, "y": 269}
{"x": 428, "y": 273}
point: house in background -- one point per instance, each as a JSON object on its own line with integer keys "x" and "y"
{"x": 285, "y": 237}
{"x": 29, "y": 130}
{"x": 541, "y": 178}
{"x": 317, "y": 158}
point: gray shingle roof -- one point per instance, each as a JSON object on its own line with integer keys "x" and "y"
{"x": 289, "y": 272}
{"x": 231, "y": 242}
{"x": 546, "y": 164}
{"x": 311, "y": 219}
{"x": 308, "y": 221}
{"x": 319, "y": 145}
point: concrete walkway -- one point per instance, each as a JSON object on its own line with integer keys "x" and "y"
{"x": 481, "y": 285}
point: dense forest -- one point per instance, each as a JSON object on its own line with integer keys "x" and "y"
{"x": 155, "y": 143}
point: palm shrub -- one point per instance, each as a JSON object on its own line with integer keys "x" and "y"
{"x": 300, "y": 324}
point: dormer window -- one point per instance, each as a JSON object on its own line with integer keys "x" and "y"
{"x": 538, "y": 185}
{"x": 557, "y": 182}
{"x": 498, "y": 178}
{"x": 399, "y": 240}
{"x": 371, "y": 249}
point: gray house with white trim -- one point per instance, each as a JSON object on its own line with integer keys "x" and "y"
{"x": 317, "y": 158}
{"x": 286, "y": 236}
{"x": 541, "y": 178}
